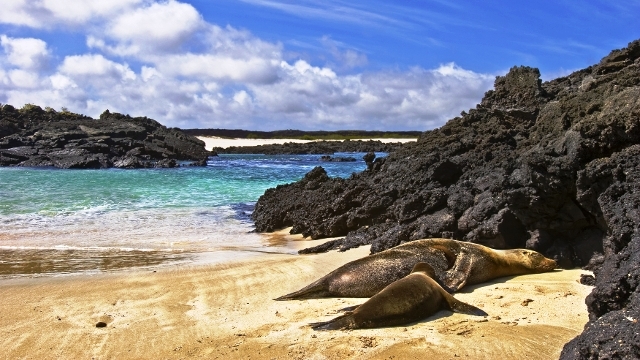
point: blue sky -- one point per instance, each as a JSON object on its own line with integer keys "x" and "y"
{"x": 306, "y": 64}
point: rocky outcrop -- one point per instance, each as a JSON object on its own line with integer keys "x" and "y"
{"x": 34, "y": 137}
{"x": 613, "y": 185}
{"x": 328, "y": 158}
{"x": 315, "y": 147}
{"x": 547, "y": 166}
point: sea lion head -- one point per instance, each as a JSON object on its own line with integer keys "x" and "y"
{"x": 532, "y": 261}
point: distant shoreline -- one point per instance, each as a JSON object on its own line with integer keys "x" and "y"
{"x": 302, "y": 135}
{"x": 220, "y": 142}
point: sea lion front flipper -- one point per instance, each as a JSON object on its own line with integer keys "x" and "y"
{"x": 464, "y": 308}
{"x": 456, "y": 277}
{"x": 424, "y": 268}
{"x": 450, "y": 255}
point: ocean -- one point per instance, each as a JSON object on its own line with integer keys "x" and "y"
{"x": 59, "y": 222}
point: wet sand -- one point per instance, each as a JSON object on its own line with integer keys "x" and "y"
{"x": 213, "y": 141}
{"x": 47, "y": 262}
{"x": 225, "y": 311}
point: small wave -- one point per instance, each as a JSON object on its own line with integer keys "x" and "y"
{"x": 123, "y": 215}
{"x": 87, "y": 248}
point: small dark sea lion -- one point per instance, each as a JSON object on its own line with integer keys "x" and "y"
{"x": 365, "y": 277}
{"x": 456, "y": 264}
{"x": 410, "y": 299}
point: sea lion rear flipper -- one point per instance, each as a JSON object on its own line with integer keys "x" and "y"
{"x": 349, "y": 308}
{"x": 312, "y": 291}
{"x": 464, "y": 308}
{"x": 341, "y": 322}
{"x": 456, "y": 277}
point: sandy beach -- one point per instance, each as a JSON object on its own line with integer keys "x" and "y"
{"x": 213, "y": 141}
{"x": 226, "y": 311}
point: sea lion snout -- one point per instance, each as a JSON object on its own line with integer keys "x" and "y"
{"x": 546, "y": 264}
{"x": 539, "y": 262}
{"x": 549, "y": 264}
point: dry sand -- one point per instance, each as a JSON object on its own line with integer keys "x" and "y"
{"x": 225, "y": 311}
{"x": 213, "y": 141}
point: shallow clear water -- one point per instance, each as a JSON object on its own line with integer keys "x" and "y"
{"x": 66, "y": 221}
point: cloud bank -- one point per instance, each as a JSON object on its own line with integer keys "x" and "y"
{"x": 163, "y": 60}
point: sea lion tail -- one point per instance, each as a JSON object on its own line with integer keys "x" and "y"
{"x": 312, "y": 291}
{"x": 341, "y": 322}
{"x": 464, "y": 308}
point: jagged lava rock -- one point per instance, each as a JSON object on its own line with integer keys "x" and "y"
{"x": 34, "y": 137}
{"x": 551, "y": 166}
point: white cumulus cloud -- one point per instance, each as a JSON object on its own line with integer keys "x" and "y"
{"x": 25, "y": 53}
{"x": 92, "y": 65}
{"x": 50, "y": 13}
{"x": 227, "y": 68}
{"x": 160, "y": 26}
{"x": 161, "y": 59}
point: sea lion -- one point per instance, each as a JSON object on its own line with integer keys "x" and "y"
{"x": 365, "y": 277}
{"x": 475, "y": 263}
{"x": 456, "y": 264}
{"x": 410, "y": 299}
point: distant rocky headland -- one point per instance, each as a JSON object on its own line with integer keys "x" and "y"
{"x": 31, "y": 136}
{"x": 550, "y": 166}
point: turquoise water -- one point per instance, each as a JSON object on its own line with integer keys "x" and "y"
{"x": 66, "y": 221}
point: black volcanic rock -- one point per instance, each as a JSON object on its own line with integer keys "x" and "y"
{"x": 613, "y": 184}
{"x": 328, "y": 158}
{"x": 34, "y": 137}
{"x": 552, "y": 166}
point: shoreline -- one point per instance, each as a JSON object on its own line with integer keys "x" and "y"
{"x": 226, "y": 310}
{"x": 214, "y": 141}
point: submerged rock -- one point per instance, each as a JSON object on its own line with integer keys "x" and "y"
{"x": 327, "y": 158}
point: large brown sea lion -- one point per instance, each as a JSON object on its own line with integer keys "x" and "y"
{"x": 475, "y": 263}
{"x": 456, "y": 264}
{"x": 404, "y": 301}
{"x": 367, "y": 276}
